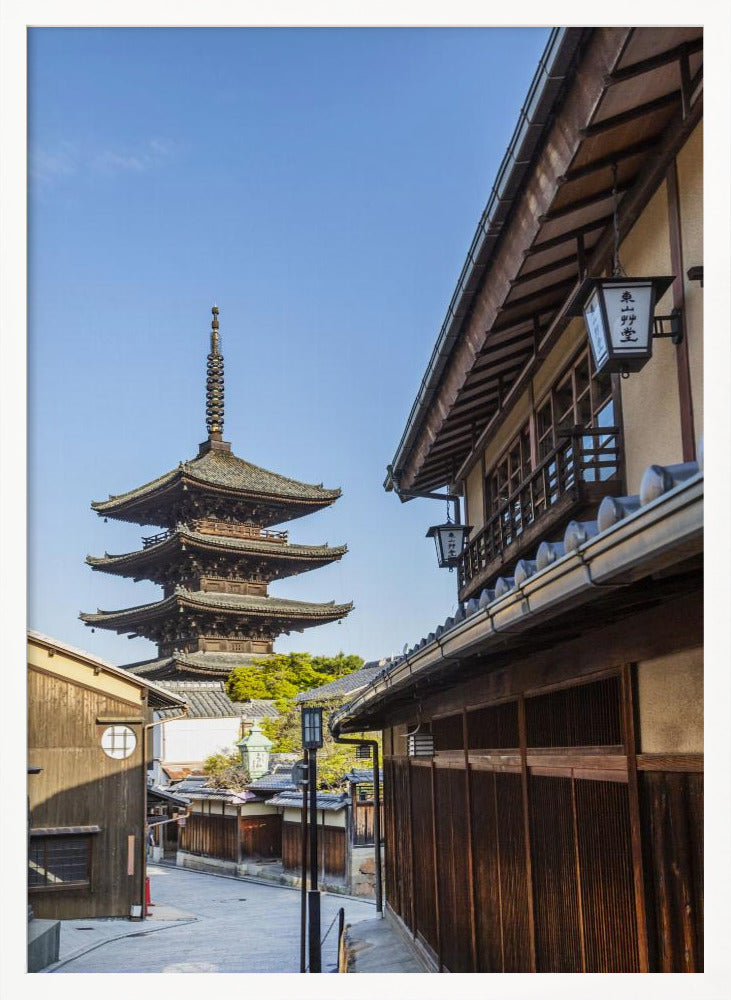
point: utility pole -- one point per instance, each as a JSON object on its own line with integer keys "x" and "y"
{"x": 311, "y": 742}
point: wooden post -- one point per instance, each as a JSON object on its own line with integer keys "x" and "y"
{"x": 630, "y": 748}
{"x": 522, "y": 735}
{"x": 687, "y": 424}
{"x": 435, "y": 859}
{"x": 470, "y": 861}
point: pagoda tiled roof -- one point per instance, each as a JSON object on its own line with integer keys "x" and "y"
{"x": 200, "y": 665}
{"x": 249, "y": 605}
{"x": 223, "y": 470}
{"x": 241, "y": 546}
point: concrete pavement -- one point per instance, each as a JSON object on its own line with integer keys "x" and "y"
{"x": 205, "y": 923}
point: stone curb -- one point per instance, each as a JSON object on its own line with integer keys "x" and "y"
{"x": 272, "y": 883}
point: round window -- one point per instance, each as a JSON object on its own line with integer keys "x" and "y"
{"x": 118, "y": 741}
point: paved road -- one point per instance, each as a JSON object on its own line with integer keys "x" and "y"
{"x": 239, "y": 927}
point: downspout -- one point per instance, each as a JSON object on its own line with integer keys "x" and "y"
{"x": 376, "y": 808}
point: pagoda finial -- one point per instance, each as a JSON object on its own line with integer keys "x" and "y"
{"x": 214, "y": 384}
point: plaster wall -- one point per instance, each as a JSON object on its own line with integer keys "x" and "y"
{"x": 650, "y": 399}
{"x": 331, "y": 818}
{"x": 473, "y": 491}
{"x": 187, "y": 741}
{"x": 670, "y": 693}
{"x": 257, "y": 809}
{"x": 690, "y": 189}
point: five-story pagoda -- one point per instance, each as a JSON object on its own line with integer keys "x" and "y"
{"x": 215, "y": 556}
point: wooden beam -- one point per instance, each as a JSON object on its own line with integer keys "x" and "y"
{"x": 602, "y": 162}
{"x": 435, "y": 861}
{"x": 555, "y": 288}
{"x": 539, "y": 272}
{"x": 570, "y": 234}
{"x": 587, "y": 202}
{"x": 631, "y": 114}
{"x": 687, "y": 423}
{"x": 470, "y": 861}
{"x": 654, "y": 62}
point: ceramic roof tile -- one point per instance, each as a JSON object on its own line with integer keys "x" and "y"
{"x": 226, "y": 470}
{"x": 348, "y": 684}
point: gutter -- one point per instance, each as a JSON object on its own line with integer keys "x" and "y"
{"x": 544, "y": 93}
{"x": 612, "y": 559}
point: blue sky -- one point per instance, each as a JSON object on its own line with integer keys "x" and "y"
{"x": 322, "y": 186}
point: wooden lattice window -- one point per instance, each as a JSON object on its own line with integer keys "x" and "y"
{"x": 59, "y": 862}
{"x": 582, "y": 397}
{"x": 583, "y": 715}
{"x": 493, "y": 728}
{"x": 447, "y": 732}
{"x": 510, "y": 471}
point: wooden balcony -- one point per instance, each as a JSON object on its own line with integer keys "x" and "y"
{"x": 230, "y": 530}
{"x": 576, "y": 475}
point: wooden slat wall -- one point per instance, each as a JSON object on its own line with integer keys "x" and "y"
{"x": 672, "y": 811}
{"x": 330, "y": 849}
{"x": 210, "y": 836}
{"x": 261, "y": 836}
{"x": 566, "y": 847}
{"x": 80, "y": 786}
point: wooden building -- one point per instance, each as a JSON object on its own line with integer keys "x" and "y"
{"x": 216, "y": 555}
{"x": 544, "y": 745}
{"x": 88, "y": 726}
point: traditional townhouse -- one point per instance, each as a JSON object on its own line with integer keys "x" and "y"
{"x": 544, "y": 745}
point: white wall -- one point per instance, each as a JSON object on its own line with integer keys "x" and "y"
{"x": 187, "y": 741}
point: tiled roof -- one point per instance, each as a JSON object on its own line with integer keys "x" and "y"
{"x": 359, "y": 776}
{"x": 204, "y": 665}
{"x": 279, "y": 779}
{"x": 239, "y": 545}
{"x": 224, "y": 470}
{"x": 250, "y": 604}
{"x": 658, "y": 482}
{"x": 327, "y": 801}
{"x": 348, "y": 684}
{"x": 208, "y": 700}
{"x": 155, "y": 792}
{"x": 197, "y": 787}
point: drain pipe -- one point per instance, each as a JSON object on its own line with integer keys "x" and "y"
{"x": 376, "y": 809}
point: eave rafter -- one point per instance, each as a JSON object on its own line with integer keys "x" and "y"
{"x": 590, "y": 132}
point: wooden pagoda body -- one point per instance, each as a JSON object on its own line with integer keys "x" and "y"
{"x": 215, "y": 556}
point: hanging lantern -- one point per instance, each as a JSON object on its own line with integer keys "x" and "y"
{"x": 363, "y": 751}
{"x": 420, "y": 745}
{"x": 449, "y": 539}
{"x": 619, "y": 315}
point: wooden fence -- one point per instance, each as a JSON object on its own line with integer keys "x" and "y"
{"x": 518, "y": 860}
{"x": 330, "y": 846}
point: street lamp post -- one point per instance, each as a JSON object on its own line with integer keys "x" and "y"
{"x": 311, "y": 742}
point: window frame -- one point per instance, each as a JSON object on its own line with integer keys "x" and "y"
{"x": 44, "y": 839}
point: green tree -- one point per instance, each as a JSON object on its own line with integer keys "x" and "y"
{"x": 226, "y": 770}
{"x": 280, "y": 678}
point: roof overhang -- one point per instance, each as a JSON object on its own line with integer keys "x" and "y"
{"x": 612, "y": 569}
{"x": 629, "y": 96}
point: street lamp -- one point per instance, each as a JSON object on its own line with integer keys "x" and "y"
{"x": 449, "y": 539}
{"x": 311, "y": 742}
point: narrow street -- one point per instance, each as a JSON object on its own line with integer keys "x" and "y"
{"x": 231, "y": 926}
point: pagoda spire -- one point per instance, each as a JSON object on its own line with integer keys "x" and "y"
{"x": 214, "y": 384}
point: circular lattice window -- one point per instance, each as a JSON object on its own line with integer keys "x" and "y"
{"x": 118, "y": 742}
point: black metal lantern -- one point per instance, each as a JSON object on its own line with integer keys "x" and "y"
{"x": 619, "y": 313}
{"x": 311, "y": 728}
{"x": 449, "y": 539}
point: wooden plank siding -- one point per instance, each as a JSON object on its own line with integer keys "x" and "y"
{"x": 260, "y": 836}
{"x": 331, "y": 850}
{"x": 80, "y": 786}
{"x": 552, "y": 884}
{"x": 211, "y": 836}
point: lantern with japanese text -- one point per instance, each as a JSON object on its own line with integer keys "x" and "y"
{"x": 449, "y": 539}
{"x": 619, "y": 315}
